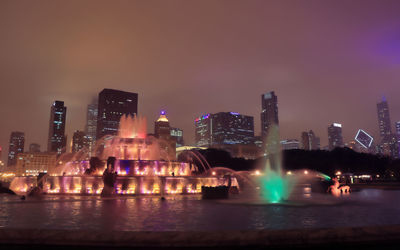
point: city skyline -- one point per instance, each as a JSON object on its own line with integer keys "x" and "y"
{"x": 317, "y": 81}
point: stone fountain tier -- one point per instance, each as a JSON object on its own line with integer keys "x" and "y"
{"x": 124, "y": 185}
{"x": 130, "y": 168}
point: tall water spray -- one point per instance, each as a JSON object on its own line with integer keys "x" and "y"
{"x": 276, "y": 186}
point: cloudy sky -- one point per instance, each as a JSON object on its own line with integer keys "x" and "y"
{"x": 328, "y": 61}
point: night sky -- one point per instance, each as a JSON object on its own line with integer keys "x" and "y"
{"x": 327, "y": 61}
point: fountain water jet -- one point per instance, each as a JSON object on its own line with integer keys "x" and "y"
{"x": 141, "y": 166}
{"x": 275, "y": 186}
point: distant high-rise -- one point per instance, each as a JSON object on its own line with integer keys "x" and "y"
{"x": 270, "y": 122}
{"x": 112, "y": 105}
{"x": 290, "y": 144}
{"x": 398, "y": 128}
{"x": 79, "y": 141}
{"x": 162, "y": 131}
{"x": 309, "y": 141}
{"x": 269, "y": 112}
{"x": 91, "y": 121}
{"x": 34, "y": 148}
{"x": 385, "y": 129}
{"x": 177, "y": 134}
{"x": 388, "y": 144}
{"x": 335, "y": 138}
{"x": 224, "y": 128}
{"x": 398, "y": 137}
{"x": 161, "y": 127}
{"x": 91, "y": 126}
{"x": 203, "y": 131}
{"x": 57, "y": 139}
{"x": 17, "y": 143}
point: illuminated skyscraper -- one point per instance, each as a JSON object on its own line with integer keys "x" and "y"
{"x": 224, "y": 128}
{"x": 177, "y": 134}
{"x": 57, "y": 139}
{"x": 91, "y": 121}
{"x": 17, "y": 143}
{"x": 269, "y": 112}
{"x": 91, "y": 126}
{"x": 388, "y": 145}
{"x": 161, "y": 126}
{"x": 270, "y": 122}
{"x": 385, "y": 129}
{"x": 398, "y": 137}
{"x": 79, "y": 141}
{"x": 112, "y": 105}
{"x": 203, "y": 131}
{"x": 162, "y": 130}
{"x": 335, "y": 138}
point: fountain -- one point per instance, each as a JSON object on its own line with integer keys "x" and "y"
{"x": 270, "y": 184}
{"x": 275, "y": 185}
{"x": 139, "y": 167}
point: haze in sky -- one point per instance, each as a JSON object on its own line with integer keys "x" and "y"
{"x": 327, "y": 61}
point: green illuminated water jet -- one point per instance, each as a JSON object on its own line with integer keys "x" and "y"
{"x": 275, "y": 186}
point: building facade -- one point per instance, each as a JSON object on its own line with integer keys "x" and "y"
{"x": 270, "y": 122}
{"x": 269, "y": 112}
{"x": 224, "y": 128}
{"x": 398, "y": 137}
{"x": 309, "y": 141}
{"x": 162, "y": 130}
{"x": 203, "y": 131}
{"x": 335, "y": 138}
{"x": 290, "y": 144}
{"x": 388, "y": 144}
{"x": 111, "y": 106}
{"x": 17, "y": 143}
{"x": 57, "y": 139}
{"x": 31, "y": 164}
{"x": 91, "y": 121}
{"x": 177, "y": 134}
{"x": 161, "y": 126}
{"x": 385, "y": 129}
{"x": 80, "y": 141}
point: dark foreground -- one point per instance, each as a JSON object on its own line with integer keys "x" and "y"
{"x": 382, "y": 237}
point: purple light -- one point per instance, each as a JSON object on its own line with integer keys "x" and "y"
{"x": 234, "y": 113}
{"x": 163, "y": 112}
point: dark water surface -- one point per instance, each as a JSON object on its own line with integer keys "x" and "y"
{"x": 189, "y": 213}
